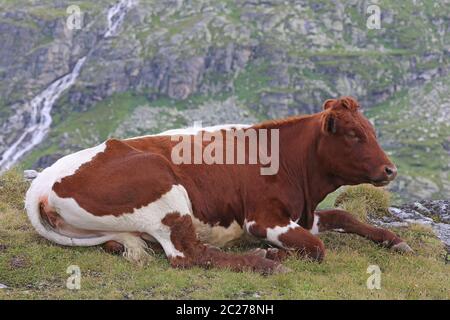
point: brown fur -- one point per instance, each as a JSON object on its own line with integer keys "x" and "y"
{"x": 303, "y": 243}
{"x": 340, "y": 219}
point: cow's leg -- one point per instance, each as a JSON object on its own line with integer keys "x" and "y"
{"x": 343, "y": 221}
{"x": 290, "y": 238}
{"x": 184, "y": 250}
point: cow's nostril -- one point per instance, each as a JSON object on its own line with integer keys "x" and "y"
{"x": 390, "y": 171}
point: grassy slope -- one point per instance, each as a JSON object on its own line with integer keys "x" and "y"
{"x": 34, "y": 268}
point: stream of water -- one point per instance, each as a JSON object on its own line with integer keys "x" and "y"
{"x": 41, "y": 105}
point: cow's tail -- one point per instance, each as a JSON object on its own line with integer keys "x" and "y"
{"x": 32, "y": 206}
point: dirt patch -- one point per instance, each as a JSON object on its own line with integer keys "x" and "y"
{"x": 18, "y": 262}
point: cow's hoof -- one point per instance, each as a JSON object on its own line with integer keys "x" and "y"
{"x": 402, "y": 247}
{"x": 280, "y": 269}
{"x": 136, "y": 250}
{"x": 259, "y": 252}
{"x": 139, "y": 257}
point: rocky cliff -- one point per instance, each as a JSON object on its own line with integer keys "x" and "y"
{"x": 169, "y": 63}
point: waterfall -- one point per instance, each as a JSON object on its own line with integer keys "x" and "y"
{"x": 116, "y": 14}
{"x": 40, "y": 106}
{"x": 40, "y": 121}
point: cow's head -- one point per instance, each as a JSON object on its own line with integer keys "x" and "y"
{"x": 348, "y": 146}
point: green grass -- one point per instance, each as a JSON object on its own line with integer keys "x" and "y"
{"x": 34, "y": 268}
{"x": 251, "y": 82}
{"x": 105, "y": 116}
{"x": 364, "y": 200}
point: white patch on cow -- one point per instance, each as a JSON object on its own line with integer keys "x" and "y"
{"x": 315, "y": 227}
{"x": 248, "y": 224}
{"x": 248, "y": 238}
{"x": 194, "y": 130}
{"x": 146, "y": 219}
{"x": 274, "y": 233}
{"x": 217, "y": 235}
{"x": 339, "y": 230}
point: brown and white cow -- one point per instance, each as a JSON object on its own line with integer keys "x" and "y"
{"x": 128, "y": 193}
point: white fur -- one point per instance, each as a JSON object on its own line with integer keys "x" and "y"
{"x": 274, "y": 233}
{"x": 315, "y": 227}
{"x": 147, "y": 219}
{"x": 194, "y": 130}
{"x": 217, "y": 235}
{"x": 248, "y": 224}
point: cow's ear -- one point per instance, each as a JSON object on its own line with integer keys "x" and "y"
{"x": 329, "y": 103}
{"x": 329, "y": 123}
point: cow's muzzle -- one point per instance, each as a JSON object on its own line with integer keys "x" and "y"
{"x": 386, "y": 175}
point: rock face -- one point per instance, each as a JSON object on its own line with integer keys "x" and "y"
{"x": 46, "y": 160}
{"x": 167, "y": 62}
{"x": 30, "y": 174}
{"x": 146, "y": 120}
{"x": 438, "y": 210}
{"x": 435, "y": 214}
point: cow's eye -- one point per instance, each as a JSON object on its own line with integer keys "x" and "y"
{"x": 352, "y": 135}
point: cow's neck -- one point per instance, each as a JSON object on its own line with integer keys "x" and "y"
{"x": 299, "y": 160}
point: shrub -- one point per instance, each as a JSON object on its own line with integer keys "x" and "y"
{"x": 356, "y": 207}
{"x": 364, "y": 200}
